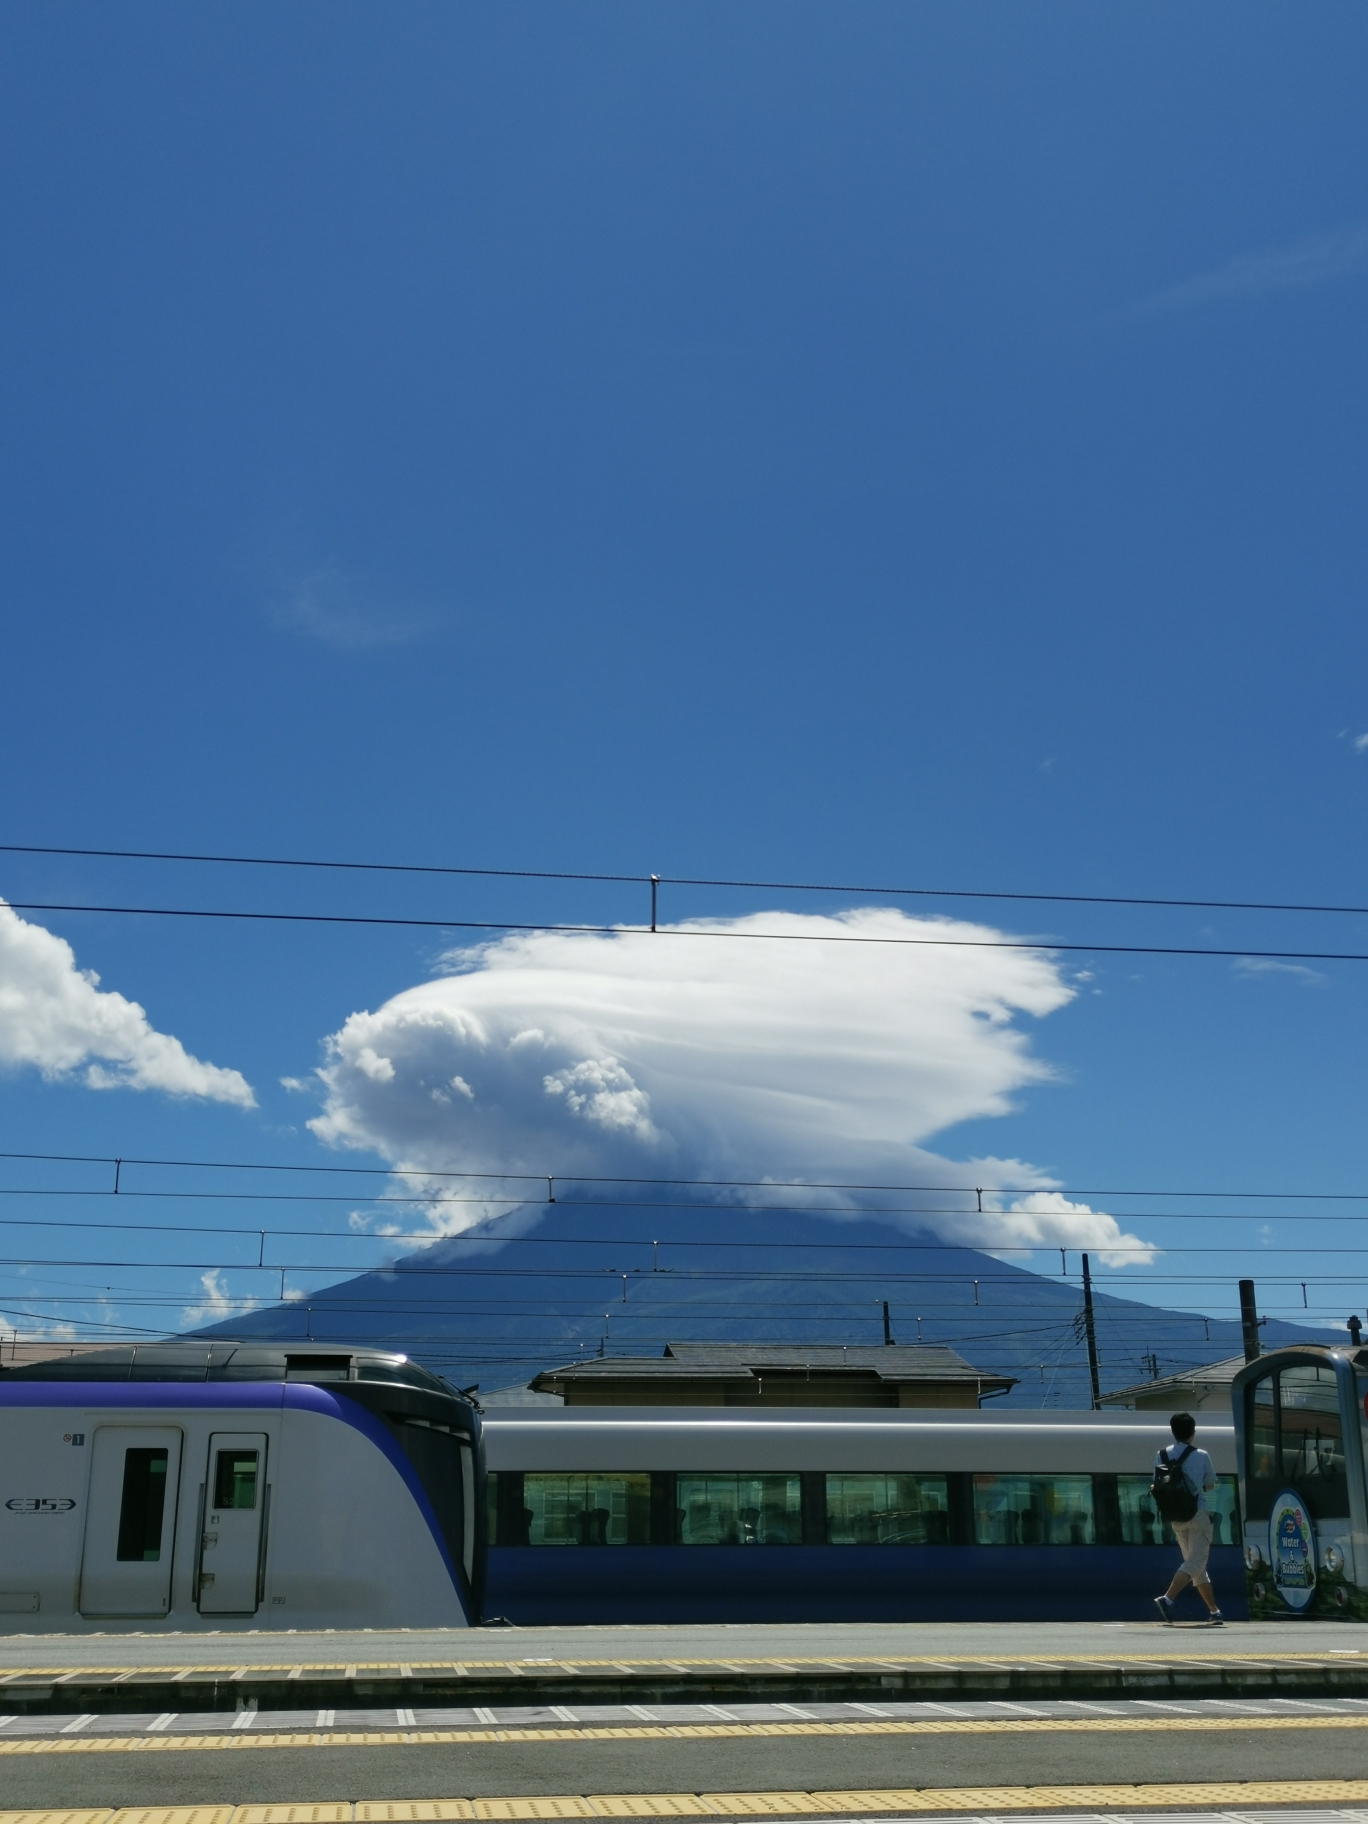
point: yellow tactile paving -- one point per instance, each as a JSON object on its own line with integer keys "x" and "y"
{"x": 240, "y": 1741}
{"x": 80, "y": 1815}
{"x": 174, "y": 1814}
{"x": 413, "y": 1811}
{"x": 651, "y": 1805}
{"x": 336, "y": 1813}
{"x": 541, "y": 1667}
{"x": 758, "y": 1804}
{"x": 568, "y": 1807}
{"x": 1242, "y": 1795}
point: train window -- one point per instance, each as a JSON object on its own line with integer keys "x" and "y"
{"x": 1263, "y": 1431}
{"x": 402, "y": 1374}
{"x": 1312, "y": 1442}
{"x": 317, "y": 1367}
{"x": 142, "y": 1507}
{"x": 887, "y": 1510}
{"x": 235, "y": 1478}
{"x": 1033, "y": 1510}
{"x": 588, "y": 1509}
{"x": 1295, "y": 1435}
{"x": 1141, "y": 1524}
{"x": 739, "y": 1510}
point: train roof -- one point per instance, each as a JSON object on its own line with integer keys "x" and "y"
{"x": 228, "y": 1360}
{"x": 850, "y": 1439}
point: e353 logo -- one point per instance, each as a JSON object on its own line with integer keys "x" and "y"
{"x": 40, "y": 1504}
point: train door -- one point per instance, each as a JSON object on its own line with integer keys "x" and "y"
{"x": 233, "y": 1538}
{"x": 130, "y": 1520}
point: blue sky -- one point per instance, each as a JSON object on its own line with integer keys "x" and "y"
{"x": 845, "y": 442}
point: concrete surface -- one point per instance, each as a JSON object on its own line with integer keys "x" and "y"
{"x": 127, "y": 1649}
{"x": 1233, "y": 1749}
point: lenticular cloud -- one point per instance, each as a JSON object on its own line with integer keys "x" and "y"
{"x": 57, "y": 1019}
{"x": 708, "y": 1052}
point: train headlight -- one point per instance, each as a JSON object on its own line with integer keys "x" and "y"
{"x": 1253, "y": 1557}
{"x": 1334, "y": 1560}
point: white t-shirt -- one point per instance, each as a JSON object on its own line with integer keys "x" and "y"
{"x": 1197, "y": 1471}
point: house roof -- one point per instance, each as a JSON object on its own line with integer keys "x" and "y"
{"x": 1214, "y": 1374}
{"x": 690, "y": 1361}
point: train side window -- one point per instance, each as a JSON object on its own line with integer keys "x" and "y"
{"x": 1141, "y": 1524}
{"x": 1295, "y": 1435}
{"x": 1312, "y": 1439}
{"x": 887, "y": 1510}
{"x": 739, "y": 1510}
{"x": 1034, "y": 1510}
{"x": 588, "y": 1509}
{"x": 143, "y": 1506}
{"x": 235, "y": 1479}
{"x": 1223, "y": 1503}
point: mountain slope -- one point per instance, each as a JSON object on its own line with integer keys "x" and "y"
{"x": 553, "y": 1283}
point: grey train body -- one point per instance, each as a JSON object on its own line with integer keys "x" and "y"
{"x": 199, "y": 1486}
{"x": 789, "y": 1515}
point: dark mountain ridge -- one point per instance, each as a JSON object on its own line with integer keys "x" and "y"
{"x": 552, "y": 1283}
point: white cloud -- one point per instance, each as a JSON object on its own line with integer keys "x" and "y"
{"x": 704, "y": 1053}
{"x": 1267, "y": 965}
{"x": 1044, "y": 1219}
{"x": 1361, "y": 744}
{"x": 56, "y": 1018}
{"x": 1314, "y": 259}
{"x": 218, "y": 1302}
{"x": 332, "y": 607}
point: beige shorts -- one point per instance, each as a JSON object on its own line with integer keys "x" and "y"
{"x": 1194, "y": 1542}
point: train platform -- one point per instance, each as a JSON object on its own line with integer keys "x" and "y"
{"x": 275, "y": 1670}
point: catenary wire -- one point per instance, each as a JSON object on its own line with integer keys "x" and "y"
{"x": 475, "y": 1236}
{"x": 780, "y": 937}
{"x": 737, "y": 1184}
{"x": 487, "y": 1239}
{"x": 683, "y": 880}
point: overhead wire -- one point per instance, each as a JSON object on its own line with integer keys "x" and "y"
{"x": 692, "y": 932}
{"x": 766, "y": 1184}
{"x": 685, "y": 880}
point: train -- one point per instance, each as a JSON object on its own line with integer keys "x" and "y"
{"x": 222, "y": 1485}
{"x": 786, "y": 1514}
{"x": 1299, "y": 1419}
{"x": 192, "y": 1486}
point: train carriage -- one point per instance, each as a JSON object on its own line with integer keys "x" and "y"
{"x": 1299, "y": 1417}
{"x": 212, "y": 1485}
{"x": 837, "y": 1515}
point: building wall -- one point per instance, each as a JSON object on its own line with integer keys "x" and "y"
{"x": 1207, "y": 1396}
{"x": 795, "y": 1390}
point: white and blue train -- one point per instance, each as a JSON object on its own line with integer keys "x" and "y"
{"x": 1300, "y": 1415}
{"x": 903, "y": 1514}
{"x": 221, "y": 1484}
{"x": 207, "y": 1485}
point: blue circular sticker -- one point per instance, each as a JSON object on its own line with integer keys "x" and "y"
{"x": 1292, "y": 1549}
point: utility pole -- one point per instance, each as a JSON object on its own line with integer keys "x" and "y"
{"x": 1249, "y": 1320}
{"x": 1091, "y": 1328}
{"x": 888, "y": 1329}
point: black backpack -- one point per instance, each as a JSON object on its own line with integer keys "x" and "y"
{"x": 1172, "y": 1495}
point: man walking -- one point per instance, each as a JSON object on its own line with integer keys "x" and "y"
{"x": 1182, "y": 1478}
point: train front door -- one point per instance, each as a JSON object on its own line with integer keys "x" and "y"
{"x": 130, "y": 1520}
{"x": 232, "y": 1545}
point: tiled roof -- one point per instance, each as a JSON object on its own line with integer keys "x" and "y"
{"x": 1214, "y": 1374}
{"x": 888, "y": 1362}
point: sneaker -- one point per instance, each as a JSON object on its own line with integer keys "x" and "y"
{"x": 1165, "y": 1608}
{"x": 1215, "y": 1619}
